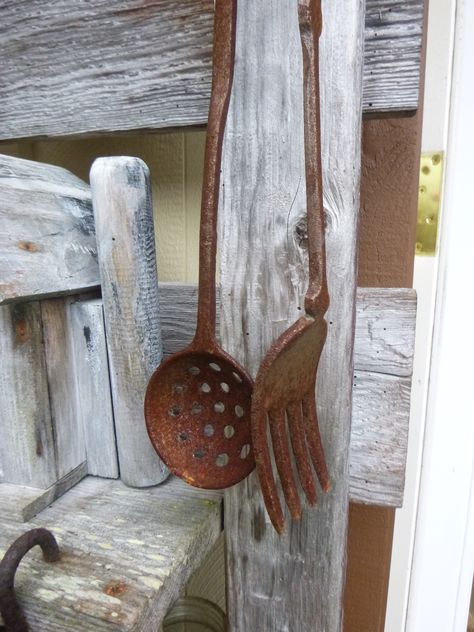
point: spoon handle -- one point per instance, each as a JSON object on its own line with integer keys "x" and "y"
{"x": 222, "y": 76}
{"x": 310, "y": 22}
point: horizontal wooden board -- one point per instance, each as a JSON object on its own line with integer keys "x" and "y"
{"x": 126, "y": 555}
{"x": 385, "y": 330}
{"x": 47, "y": 241}
{"x": 126, "y": 65}
{"x": 392, "y": 54}
{"x": 383, "y": 357}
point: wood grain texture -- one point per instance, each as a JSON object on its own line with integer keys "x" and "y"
{"x": 68, "y": 432}
{"x": 263, "y": 279}
{"x": 379, "y": 438}
{"x": 385, "y": 330}
{"x": 103, "y": 67}
{"x": 126, "y": 247}
{"x": 392, "y": 54}
{"x": 92, "y": 387}
{"x": 47, "y": 242}
{"x": 126, "y": 555}
{"x": 19, "y": 503}
{"x": 27, "y": 450}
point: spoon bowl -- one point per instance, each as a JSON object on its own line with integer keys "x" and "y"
{"x": 197, "y": 410}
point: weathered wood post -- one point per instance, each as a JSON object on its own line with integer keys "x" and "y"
{"x": 294, "y": 582}
{"x": 123, "y": 214}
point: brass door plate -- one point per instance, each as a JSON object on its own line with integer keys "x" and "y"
{"x": 429, "y": 196}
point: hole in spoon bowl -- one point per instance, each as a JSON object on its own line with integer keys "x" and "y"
{"x": 208, "y": 430}
{"x": 245, "y": 451}
{"x": 229, "y": 432}
{"x": 239, "y": 411}
{"x": 222, "y": 460}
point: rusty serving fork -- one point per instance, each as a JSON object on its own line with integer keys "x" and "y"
{"x": 285, "y": 383}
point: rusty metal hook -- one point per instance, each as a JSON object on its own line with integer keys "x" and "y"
{"x": 13, "y": 616}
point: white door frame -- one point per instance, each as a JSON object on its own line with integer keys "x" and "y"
{"x": 433, "y": 552}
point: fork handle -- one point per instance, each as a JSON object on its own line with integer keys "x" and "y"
{"x": 310, "y": 24}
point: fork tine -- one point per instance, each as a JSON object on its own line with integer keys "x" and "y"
{"x": 297, "y": 433}
{"x": 264, "y": 467}
{"x": 281, "y": 450}
{"x": 313, "y": 437}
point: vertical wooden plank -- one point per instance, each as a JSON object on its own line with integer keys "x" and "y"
{"x": 68, "y": 435}
{"x": 126, "y": 248}
{"x": 27, "y": 455}
{"x": 94, "y": 398}
{"x": 293, "y": 582}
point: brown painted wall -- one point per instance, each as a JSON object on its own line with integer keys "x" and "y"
{"x": 389, "y": 192}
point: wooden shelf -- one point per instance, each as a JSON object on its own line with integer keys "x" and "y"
{"x": 126, "y": 554}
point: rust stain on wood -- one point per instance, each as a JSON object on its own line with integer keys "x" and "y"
{"x": 29, "y": 246}
{"x": 115, "y": 588}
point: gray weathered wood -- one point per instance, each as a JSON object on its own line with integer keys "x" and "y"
{"x": 68, "y": 434}
{"x": 385, "y": 330}
{"x": 19, "y": 503}
{"x": 392, "y": 54}
{"x": 128, "y": 65}
{"x": 126, "y": 247}
{"x": 379, "y": 437}
{"x": 263, "y": 278}
{"x": 92, "y": 387}
{"x": 126, "y": 555}
{"x": 47, "y": 241}
{"x": 27, "y": 451}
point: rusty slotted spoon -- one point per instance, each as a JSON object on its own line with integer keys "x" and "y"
{"x": 197, "y": 404}
{"x": 285, "y": 383}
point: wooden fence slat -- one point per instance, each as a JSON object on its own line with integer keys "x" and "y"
{"x": 68, "y": 434}
{"x": 385, "y": 330}
{"x": 263, "y": 278}
{"x": 47, "y": 241}
{"x": 94, "y": 402}
{"x": 379, "y": 438}
{"x": 126, "y": 249}
{"x": 27, "y": 452}
{"x": 392, "y": 54}
{"x": 128, "y": 65}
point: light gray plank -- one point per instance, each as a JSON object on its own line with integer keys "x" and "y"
{"x": 379, "y": 436}
{"x": 47, "y": 242}
{"x": 392, "y": 54}
{"x": 138, "y": 65}
{"x": 68, "y": 433}
{"x": 126, "y": 246}
{"x": 20, "y": 504}
{"x": 27, "y": 453}
{"x": 127, "y": 555}
{"x": 92, "y": 387}
{"x": 385, "y": 330}
{"x": 263, "y": 278}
